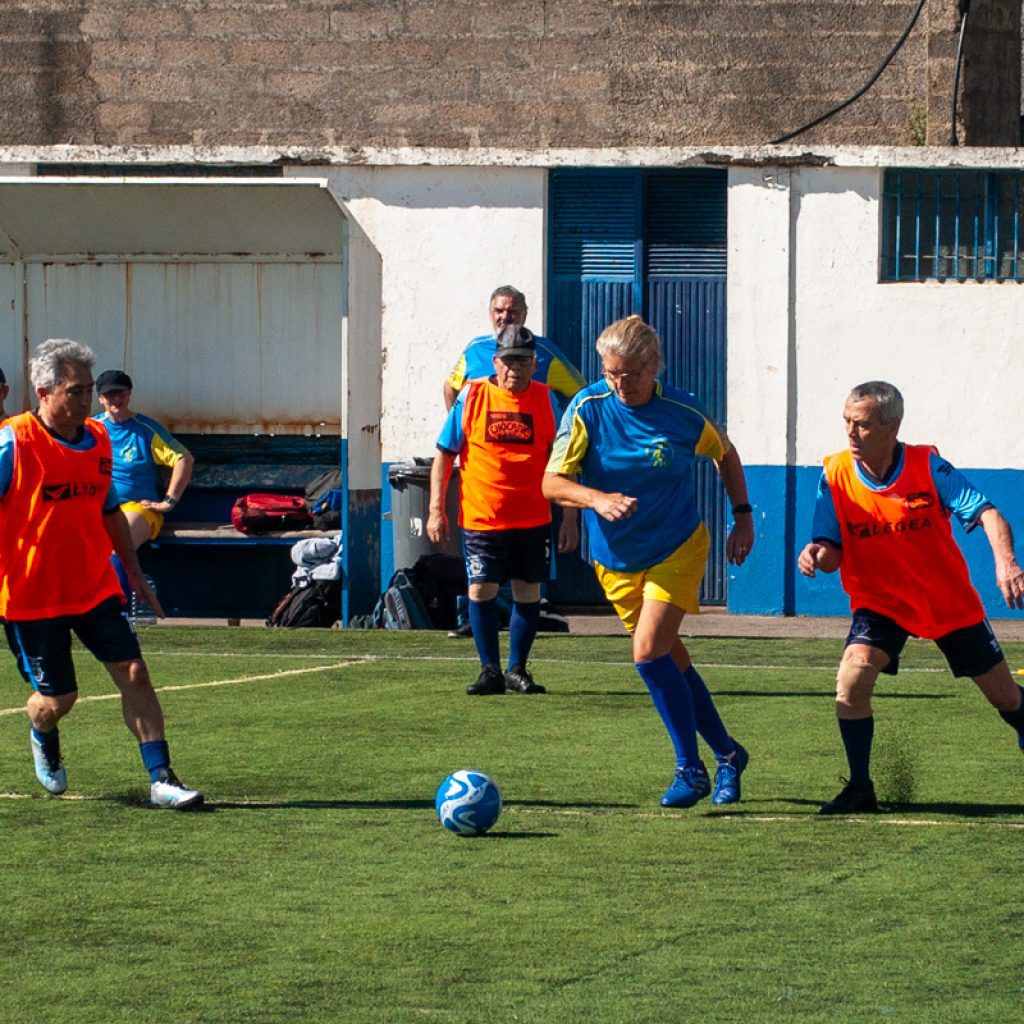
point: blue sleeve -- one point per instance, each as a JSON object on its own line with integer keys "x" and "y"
{"x": 112, "y": 503}
{"x": 451, "y": 439}
{"x": 825, "y": 525}
{"x": 6, "y": 459}
{"x": 480, "y": 358}
{"x": 957, "y": 494}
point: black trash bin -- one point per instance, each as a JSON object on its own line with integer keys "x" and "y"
{"x": 410, "y": 508}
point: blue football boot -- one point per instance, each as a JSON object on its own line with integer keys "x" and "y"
{"x": 689, "y": 785}
{"x": 727, "y": 778}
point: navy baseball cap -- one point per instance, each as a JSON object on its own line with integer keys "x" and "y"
{"x": 113, "y": 380}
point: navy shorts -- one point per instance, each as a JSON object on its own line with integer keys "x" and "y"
{"x": 494, "y": 556}
{"x": 42, "y": 647}
{"x": 970, "y": 651}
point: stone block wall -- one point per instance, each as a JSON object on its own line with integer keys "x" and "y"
{"x": 466, "y": 73}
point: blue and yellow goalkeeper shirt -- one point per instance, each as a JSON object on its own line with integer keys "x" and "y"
{"x": 141, "y": 446}
{"x": 645, "y": 451}
{"x": 553, "y": 367}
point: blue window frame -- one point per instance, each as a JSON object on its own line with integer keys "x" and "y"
{"x": 944, "y": 225}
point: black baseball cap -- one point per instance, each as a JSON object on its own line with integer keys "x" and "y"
{"x": 113, "y": 380}
{"x": 516, "y": 340}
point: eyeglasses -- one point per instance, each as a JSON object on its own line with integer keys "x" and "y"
{"x": 516, "y": 360}
{"x": 618, "y": 377}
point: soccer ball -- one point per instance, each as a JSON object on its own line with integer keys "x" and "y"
{"x": 468, "y": 802}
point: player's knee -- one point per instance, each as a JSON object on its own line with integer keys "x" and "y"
{"x": 855, "y": 684}
{"x": 133, "y": 675}
{"x": 525, "y": 593}
{"x": 483, "y": 591}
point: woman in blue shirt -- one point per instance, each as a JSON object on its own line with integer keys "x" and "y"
{"x": 624, "y": 454}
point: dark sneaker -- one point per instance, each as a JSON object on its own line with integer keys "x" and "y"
{"x": 689, "y": 785}
{"x": 170, "y": 791}
{"x": 518, "y": 680}
{"x": 463, "y": 632}
{"x": 489, "y": 682}
{"x": 727, "y": 778}
{"x": 855, "y": 798}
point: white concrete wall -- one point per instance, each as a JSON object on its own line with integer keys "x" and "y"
{"x": 446, "y": 238}
{"x": 760, "y": 277}
{"x": 953, "y": 349}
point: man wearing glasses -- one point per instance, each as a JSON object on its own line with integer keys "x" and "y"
{"x": 507, "y": 308}
{"x": 501, "y": 428}
{"x": 59, "y": 520}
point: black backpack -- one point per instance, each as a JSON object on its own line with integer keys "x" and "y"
{"x": 316, "y": 604}
{"x": 441, "y": 580}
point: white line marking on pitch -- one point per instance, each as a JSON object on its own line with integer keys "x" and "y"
{"x": 216, "y": 682}
{"x": 568, "y": 812}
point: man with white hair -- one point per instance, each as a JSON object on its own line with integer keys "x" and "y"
{"x": 59, "y": 520}
{"x": 882, "y": 518}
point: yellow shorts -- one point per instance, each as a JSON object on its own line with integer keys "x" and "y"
{"x": 676, "y": 580}
{"x": 154, "y": 518}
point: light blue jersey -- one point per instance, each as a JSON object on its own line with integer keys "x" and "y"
{"x": 553, "y": 367}
{"x": 141, "y": 446}
{"x": 647, "y": 452}
{"x": 956, "y": 494}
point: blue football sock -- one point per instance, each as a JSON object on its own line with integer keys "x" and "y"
{"x": 156, "y": 757}
{"x": 709, "y": 722}
{"x": 483, "y": 617}
{"x": 522, "y": 630}
{"x": 49, "y": 741}
{"x": 671, "y": 696}
{"x": 1016, "y": 719}
{"x": 857, "y": 735}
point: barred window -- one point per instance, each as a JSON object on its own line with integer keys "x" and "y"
{"x": 940, "y": 225}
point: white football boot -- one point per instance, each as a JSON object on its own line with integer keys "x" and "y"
{"x": 168, "y": 791}
{"x": 52, "y": 776}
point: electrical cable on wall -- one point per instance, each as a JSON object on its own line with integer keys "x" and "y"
{"x": 864, "y": 88}
{"x": 965, "y": 10}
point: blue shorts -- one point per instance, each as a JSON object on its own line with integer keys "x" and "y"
{"x": 970, "y": 652}
{"x": 494, "y": 556}
{"x": 42, "y": 647}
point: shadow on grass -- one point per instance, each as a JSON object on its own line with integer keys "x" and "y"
{"x": 389, "y": 805}
{"x": 726, "y": 691}
{"x": 955, "y": 810}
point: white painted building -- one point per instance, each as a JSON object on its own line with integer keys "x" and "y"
{"x": 414, "y": 241}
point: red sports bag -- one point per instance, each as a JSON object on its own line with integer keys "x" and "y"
{"x": 262, "y": 513}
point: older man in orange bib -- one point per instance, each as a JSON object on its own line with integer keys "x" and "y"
{"x": 882, "y": 517}
{"x": 59, "y": 521}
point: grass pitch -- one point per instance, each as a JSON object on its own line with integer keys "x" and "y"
{"x": 318, "y": 885}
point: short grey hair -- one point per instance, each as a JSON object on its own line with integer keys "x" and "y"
{"x": 506, "y": 291}
{"x": 47, "y": 368}
{"x": 887, "y": 397}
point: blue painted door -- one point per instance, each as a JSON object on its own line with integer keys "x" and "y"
{"x": 653, "y": 243}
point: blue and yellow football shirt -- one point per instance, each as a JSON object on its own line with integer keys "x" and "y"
{"x": 645, "y": 451}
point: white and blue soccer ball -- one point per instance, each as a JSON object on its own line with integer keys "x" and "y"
{"x": 468, "y": 802}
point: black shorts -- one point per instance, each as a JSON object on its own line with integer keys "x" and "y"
{"x": 970, "y": 652}
{"x": 42, "y": 647}
{"x": 494, "y": 556}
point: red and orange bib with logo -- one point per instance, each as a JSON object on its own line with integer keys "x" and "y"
{"x": 508, "y": 438}
{"x": 899, "y": 554}
{"x": 54, "y": 548}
